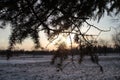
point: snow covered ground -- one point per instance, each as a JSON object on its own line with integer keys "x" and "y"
{"x": 39, "y": 68}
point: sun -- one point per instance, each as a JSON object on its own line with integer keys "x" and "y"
{"x": 68, "y": 40}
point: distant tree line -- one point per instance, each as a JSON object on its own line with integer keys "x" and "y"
{"x": 98, "y": 49}
{"x": 23, "y": 52}
{"x": 102, "y": 50}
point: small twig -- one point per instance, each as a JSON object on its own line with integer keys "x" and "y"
{"x": 52, "y": 41}
{"x": 97, "y": 27}
{"x": 87, "y": 30}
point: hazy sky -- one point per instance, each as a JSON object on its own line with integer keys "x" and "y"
{"x": 105, "y": 23}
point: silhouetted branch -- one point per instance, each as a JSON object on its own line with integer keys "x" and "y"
{"x": 97, "y": 27}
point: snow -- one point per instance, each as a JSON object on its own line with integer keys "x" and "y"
{"x": 39, "y": 68}
{"x": 25, "y": 59}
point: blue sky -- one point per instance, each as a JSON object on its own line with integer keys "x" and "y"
{"x": 105, "y": 23}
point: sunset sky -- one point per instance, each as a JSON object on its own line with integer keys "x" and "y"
{"x": 105, "y": 23}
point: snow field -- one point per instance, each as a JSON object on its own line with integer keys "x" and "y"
{"x": 39, "y": 68}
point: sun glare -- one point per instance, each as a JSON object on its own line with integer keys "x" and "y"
{"x": 68, "y": 40}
